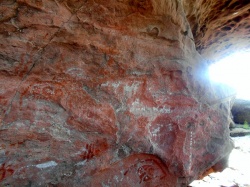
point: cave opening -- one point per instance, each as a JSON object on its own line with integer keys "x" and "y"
{"x": 233, "y": 70}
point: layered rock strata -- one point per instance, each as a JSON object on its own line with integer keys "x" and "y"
{"x": 220, "y": 28}
{"x": 105, "y": 93}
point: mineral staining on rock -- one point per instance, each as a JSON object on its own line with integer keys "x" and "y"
{"x": 107, "y": 90}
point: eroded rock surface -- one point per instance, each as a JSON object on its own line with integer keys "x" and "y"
{"x": 105, "y": 93}
{"x": 219, "y": 27}
{"x": 237, "y": 173}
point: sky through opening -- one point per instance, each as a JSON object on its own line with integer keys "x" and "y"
{"x": 234, "y": 71}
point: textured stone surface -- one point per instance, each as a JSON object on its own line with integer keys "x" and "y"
{"x": 105, "y": 93}
{"x": 219, "y": 27}
{"x": 236, "y": 175}
{"x": 241, "y": 111}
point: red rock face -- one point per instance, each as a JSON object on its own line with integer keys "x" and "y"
{"x": 105, "y": 93}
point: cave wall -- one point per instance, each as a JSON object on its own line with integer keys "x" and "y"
{"x": 105, "y": 93}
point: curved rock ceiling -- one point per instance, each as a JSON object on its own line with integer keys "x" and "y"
{"x": 113, "y": 92}
{"x": 219, "y": 27}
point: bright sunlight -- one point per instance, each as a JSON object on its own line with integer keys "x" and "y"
{"x": 234, "y": 71}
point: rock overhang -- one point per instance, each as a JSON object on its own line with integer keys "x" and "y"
{"x": 220, "y": 28}
{"x": 116, "y": 85}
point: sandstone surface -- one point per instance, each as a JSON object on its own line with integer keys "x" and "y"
{"x": 106, "y": 93}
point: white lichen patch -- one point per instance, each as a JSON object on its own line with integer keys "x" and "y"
{"x": 155, "y": 131}
{"x": 59, "y": 132}
{"x": 139, "y": 109}
{"x": 46, "y": 165}
{"x": 82, "y": 163}
{"x": 131, "y": 89}
{"x": 76, "y": 72}
{"x": 128, "y": 89}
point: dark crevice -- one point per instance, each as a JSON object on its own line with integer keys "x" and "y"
{"x": 226, "y": 28}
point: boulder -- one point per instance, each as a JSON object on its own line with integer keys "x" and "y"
{"x": 241, "y": 111}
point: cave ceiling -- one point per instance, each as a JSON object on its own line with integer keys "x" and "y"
{"x": 219, "y": 27}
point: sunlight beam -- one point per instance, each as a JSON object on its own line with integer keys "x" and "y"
{"x": 234, "y": 71}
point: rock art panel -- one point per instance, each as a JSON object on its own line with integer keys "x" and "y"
{"x": 107, "y": 90}
{"x": 135, "y": 170}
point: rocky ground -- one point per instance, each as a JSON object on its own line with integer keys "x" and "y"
{"x": 237, "y": 132}
{"x": 238, "y": 172}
